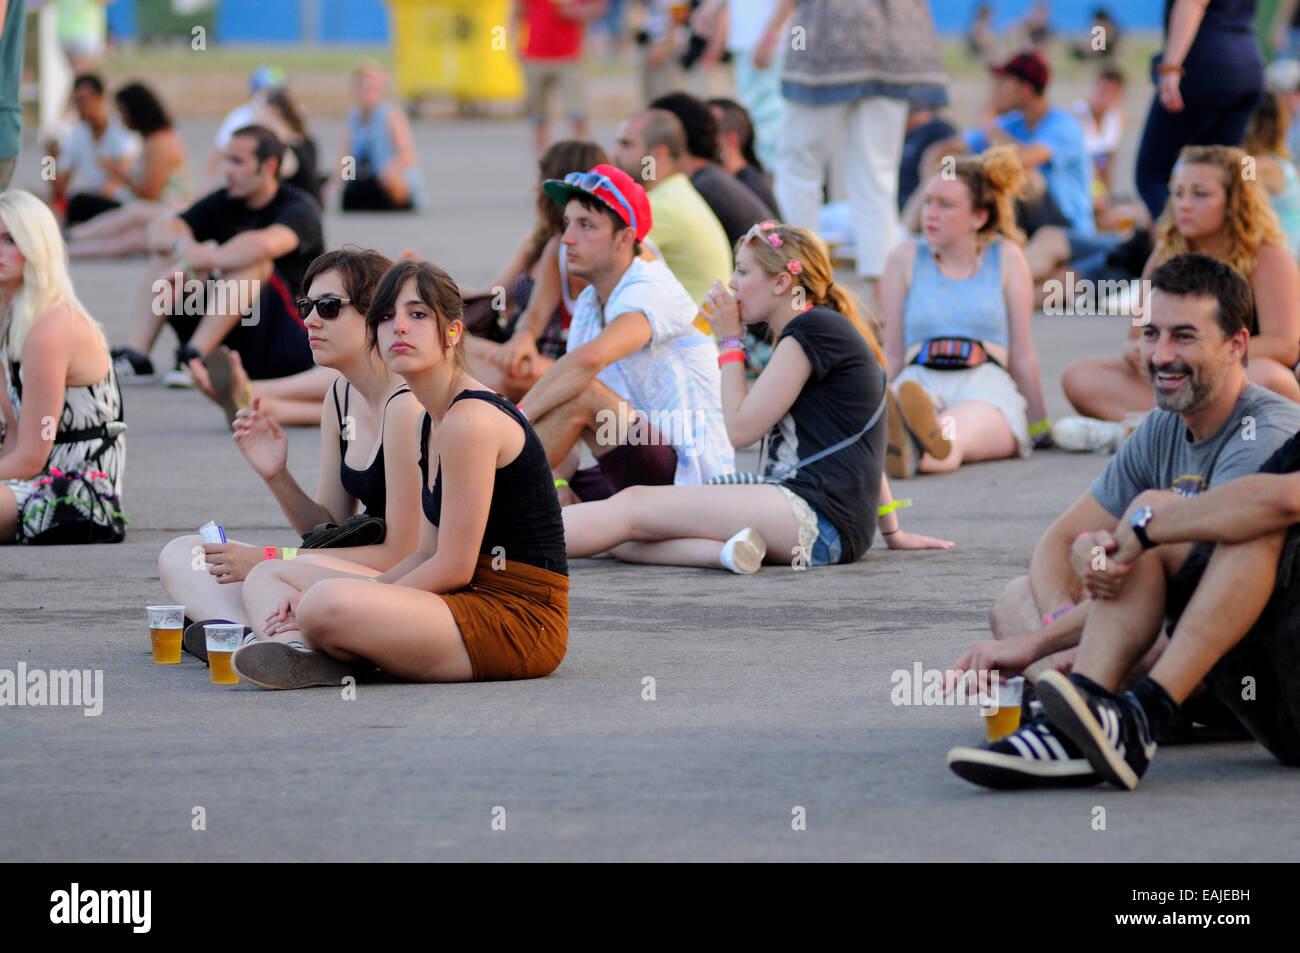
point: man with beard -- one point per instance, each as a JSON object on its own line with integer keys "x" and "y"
{"x": 1210, "y": 426}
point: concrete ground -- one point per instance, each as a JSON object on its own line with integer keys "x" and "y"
{"x": 772, "y": 692}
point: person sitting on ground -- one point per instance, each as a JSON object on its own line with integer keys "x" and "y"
{"x": 367, "y": 454}
{"x": 261, "y": 82}
{"x": 252, "y": 240}
{"x": 736, "y": 153}
{"x": 735, "y": 205}
{"x": 822, "y": 386}
{"x": 377, "y": 162}
{"x": 97, "y": 144}
{"x": 638, "y": 383}
{"x": 486, "y": 594}
{"x": 1101, "y": 116}
{"x": 687, "y": 234}
{"x": 1213, "y": 208}
{"x": 538, "y": 284}
{"x": 56, "y": 367}
{"x": 1266, "y": 144}
{"x": 281, "y": 115}
{"x": 163, "y": 186}
{"x": 1211, "y": 427}
{"x": 956, "y": 307}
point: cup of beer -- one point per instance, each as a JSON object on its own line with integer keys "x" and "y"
{"x": 165, "y": 623}
{"x": 223, "y": 638}
{"x": 1002, "y": 713}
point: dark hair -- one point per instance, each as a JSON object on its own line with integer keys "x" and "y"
{"x": 1203, "y": 276}
{"x": 593, "y": 204}
{"x": 360, "y": 270}
{"x": 568, "y": 155}
{"x": 279, "y": 99}
{"x": 268, "y": 146}
{"x": 735, "y": 118}
{"x": 91, "y": 80}
{"x": 1113, "y": 74}
{"x": 143, "y": 112}
{"x": 698, "y": 122}
{"x": 1268, "y": 127}
{"x": 435, "y": 287}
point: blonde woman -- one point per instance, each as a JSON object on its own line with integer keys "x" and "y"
{"x": 956, "y": 306}
{"x": 56, "y": 365}
{"x": 1214, "y": 209}
{"x": 822, "y": 386}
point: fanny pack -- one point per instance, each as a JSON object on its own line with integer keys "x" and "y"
{"x": 947, "y": 354}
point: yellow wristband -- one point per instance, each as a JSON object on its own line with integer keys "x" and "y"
{"x": 289, "y": 552}
{"x": 890, "y": 507}
{"x": 1041, "y": 427}
{"x": 559, "y": 483}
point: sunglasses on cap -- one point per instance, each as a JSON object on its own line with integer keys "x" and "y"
{"x": 590, "y": 181}
{"x": 327, "y": 307}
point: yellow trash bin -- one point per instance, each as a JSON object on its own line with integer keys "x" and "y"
{"x": 457, "y": 48}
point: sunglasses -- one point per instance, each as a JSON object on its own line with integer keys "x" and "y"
{"x": 327, "y": 307}
{"x": 590, "y": 181}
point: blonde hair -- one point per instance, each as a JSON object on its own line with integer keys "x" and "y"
{"x": 994, "y": 178}
{"x": 1248, "y": 217}
{"x": 46, "y": 281}
{"x": 814, "y": 275}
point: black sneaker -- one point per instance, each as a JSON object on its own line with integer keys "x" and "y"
{"x": 1033, "y": 757}
{"x": 195, "y": 639}
{"x": 1111, "y": 730}
{"x": 132, "y": 367}
{"x": 277, "y": 665}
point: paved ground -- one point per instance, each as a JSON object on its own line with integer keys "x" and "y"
{"x": 772, "y": 691}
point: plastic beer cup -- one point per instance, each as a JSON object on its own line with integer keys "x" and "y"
{"x": 1002, "y": 715}
{"x": 165, "y": 623}
{"x": 222, "y": 639}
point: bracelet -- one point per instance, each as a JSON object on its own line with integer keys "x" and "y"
{"x": 891, "y": 532}
{"x": 1169, "y": 68}
{"x": 1041, "y": 427}
{"x": 890, "y": 507}
{"x": 268, "y": 553}
{"x": 561, "y": 483}
{"x": 1053, "y": 616}
{"x": 289, "y": 552}
{"x": 732, "y": 341}
{"x": 731, "y": 357}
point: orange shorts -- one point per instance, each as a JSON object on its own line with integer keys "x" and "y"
{"x": 514, "y": 621}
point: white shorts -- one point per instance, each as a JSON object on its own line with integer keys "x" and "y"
{"x": 988, "y": 383}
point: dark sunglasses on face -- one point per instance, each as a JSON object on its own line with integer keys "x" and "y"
{"x": 327, "y": 307}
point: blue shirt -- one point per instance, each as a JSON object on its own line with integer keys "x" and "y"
{"x": 1068, "y": 172}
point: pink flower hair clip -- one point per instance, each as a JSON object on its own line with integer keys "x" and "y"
{"x": 774, "y": 240}
{"x": 794, "y": 266}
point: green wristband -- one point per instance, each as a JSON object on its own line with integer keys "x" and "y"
{"x": 560, "y": 482}
{"x": 890, "y": 507}
{"x": 1041, "y": 427}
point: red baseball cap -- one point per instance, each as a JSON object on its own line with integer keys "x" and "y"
{"x": 614, "y": 187}
{"x": 1028, "y": 66}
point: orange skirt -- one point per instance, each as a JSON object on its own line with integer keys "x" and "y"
{"x": 514, "y": 621}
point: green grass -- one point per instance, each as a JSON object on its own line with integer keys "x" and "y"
{"x": 158, "y": 60}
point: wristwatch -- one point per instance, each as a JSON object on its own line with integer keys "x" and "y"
{"x": 1138, "y": 521}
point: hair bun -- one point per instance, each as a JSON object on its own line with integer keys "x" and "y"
{"x": 1001, "y": 166}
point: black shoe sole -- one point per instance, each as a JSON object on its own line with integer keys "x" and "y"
{"x": 195, "y": 640}
{"x": 1069, "y": 713}
{"x": 992, "y": 769}
{"x": 221, "y": 374}
{"x": 279, "y": 666}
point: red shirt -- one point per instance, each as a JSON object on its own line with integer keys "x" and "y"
{"x": 550, "y": 35}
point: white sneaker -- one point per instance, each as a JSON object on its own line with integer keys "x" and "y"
{"x": 1089, "y": 435}
{"x": 744, "y": 552}
{"x": 179, "y": 377}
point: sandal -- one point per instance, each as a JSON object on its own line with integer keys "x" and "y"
{"x": 221, "y": 375}
{"x": 921, "y": 420}
{"x": 902, "y": 455}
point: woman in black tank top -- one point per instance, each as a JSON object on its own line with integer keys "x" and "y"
{"x": 368, "y": 454}
{"x": 485, "y": 596}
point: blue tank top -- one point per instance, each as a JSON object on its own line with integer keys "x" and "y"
{"x": 1287, "y": 203}
{"x": 941, "y": 307}
{"x": 373, "y": 146}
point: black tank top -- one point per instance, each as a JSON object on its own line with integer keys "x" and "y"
{"x": 366, "y": 485}
{"x": 524, "y": 515}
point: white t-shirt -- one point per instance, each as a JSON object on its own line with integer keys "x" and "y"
{"x": 237, "y": 118}
{"x": 745, "y": 22}
{"x": 80, "y": 153}
{"x": 1100, "y": 138}
{"x": 674, "y": 379}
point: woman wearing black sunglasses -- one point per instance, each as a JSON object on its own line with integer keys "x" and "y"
{"x": 368, "y": 452}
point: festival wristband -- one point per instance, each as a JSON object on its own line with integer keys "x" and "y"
{"x": 289, "y": 552}
{"x": 1053, "y": 616}
{"x": 560, "y": 483}
{"x": 1041, "y": 427}
{"x": 731, "y": 357}
{"x": 1169, "y": 68}
{"x": 268, "y": 553}
{"x": 890, "y": 507}
{"x": 734, "y": 341}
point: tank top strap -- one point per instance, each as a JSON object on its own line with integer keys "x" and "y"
{"x": 383, "y": 414}
{"x": 506, "y": 405}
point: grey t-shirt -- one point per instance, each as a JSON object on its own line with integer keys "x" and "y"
{"x": 1161, "y": 456}
{"x": 737, "y": 208}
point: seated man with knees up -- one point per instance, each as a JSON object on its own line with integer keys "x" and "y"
{"x": 638, "y": 383}
{"x": 1210, "y": 427}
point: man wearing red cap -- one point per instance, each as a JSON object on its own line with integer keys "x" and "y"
{"x": 638, "y": 384}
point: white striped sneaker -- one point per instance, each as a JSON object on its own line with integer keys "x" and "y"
{"x": 1089, "y": 435}
{"x": 1033, "y": 757}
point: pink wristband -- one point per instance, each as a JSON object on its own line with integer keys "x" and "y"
{"x": 1053, "y": 616}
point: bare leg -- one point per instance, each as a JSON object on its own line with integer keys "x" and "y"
{"x": 8, "y": 515}
{"x": 114, "y": 222}
{"x": 185, "y": 576}
{"x": 562, "y": 427}
{"x": 129, "y": 242}
{"x": 271, "y": 582}
{"x": 1046, "y": 251}
{"x": 312, "y": 384}
{"x": 978, "y": 432}
{"x": 1106, "y": 388}
{"x": 216, "y": 324}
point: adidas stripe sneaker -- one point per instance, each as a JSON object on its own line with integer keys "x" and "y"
{"x": 1111, "y": 730}
{"x": 1033, "y": 757}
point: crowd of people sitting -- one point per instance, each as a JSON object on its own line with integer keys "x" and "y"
{"x": 658, "y": 318}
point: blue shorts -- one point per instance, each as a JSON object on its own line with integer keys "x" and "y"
{"x": 826, "y": 551}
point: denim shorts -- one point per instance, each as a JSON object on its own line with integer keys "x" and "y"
{"x": 818, "y": 537}
{"x": 826, "y": 551}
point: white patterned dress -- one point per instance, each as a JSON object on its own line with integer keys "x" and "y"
{"x": 84, "y": 408}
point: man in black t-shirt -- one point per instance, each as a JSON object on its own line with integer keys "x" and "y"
{"x": 227, "y": 269}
